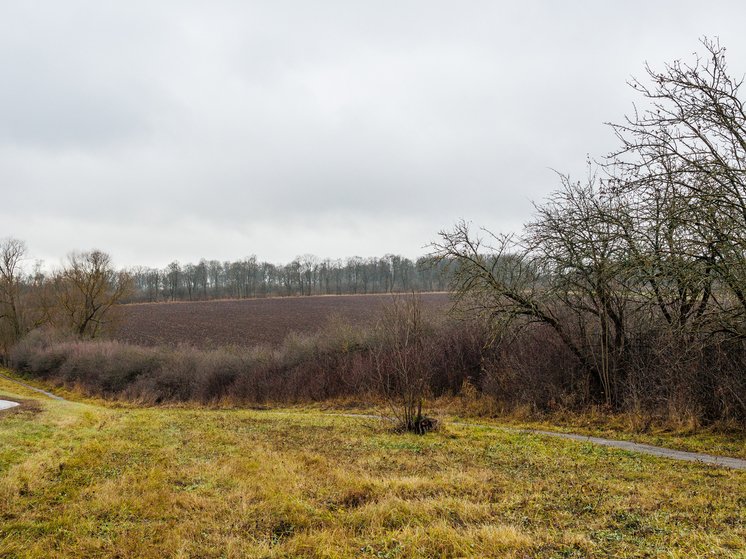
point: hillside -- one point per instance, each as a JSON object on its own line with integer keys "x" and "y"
{"x": 247, "y": 322}
{"x": 95, "y": 480}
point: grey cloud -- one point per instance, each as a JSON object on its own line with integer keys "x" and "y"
{"x": 190, "y": 129}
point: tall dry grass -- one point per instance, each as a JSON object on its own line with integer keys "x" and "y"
{"x": 82, "y": 480}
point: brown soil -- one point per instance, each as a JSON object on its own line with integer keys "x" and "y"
{"x": 250, "y": 322}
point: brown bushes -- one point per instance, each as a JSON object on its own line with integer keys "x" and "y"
{"x": 672, "y": 376}
{"x": 664, "y": 376}
{"x": 337, "y": 362}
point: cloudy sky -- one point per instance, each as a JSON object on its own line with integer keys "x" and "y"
{"x": 175, "y": 130}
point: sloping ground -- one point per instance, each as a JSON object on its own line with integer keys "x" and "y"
{"x": 662, "y": 452}
{"x": 248, "y": 322}
{"x": 81, "y": 480}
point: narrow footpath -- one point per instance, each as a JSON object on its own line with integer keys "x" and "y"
{"x": 735, "y": 463}
{"x": 722, "y": 461}
{"x": 32, "y": 388}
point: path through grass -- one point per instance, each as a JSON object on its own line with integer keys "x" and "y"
{"x": 85, "y": 480}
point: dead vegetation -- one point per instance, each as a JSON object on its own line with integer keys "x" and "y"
{"x": 87, "y": 480}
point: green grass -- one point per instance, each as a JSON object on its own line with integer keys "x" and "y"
{"x": 91, "y": 479}
{"x": 684, "y": 433}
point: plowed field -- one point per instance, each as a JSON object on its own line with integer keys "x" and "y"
{"x": 249, "y": 322}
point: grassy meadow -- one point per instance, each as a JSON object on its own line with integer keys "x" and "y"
{"x": 96, "y": 479}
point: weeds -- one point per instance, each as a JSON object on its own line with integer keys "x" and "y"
{"x": 83, "y": 480}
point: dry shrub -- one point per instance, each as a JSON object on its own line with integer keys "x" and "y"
{"x": 665, "y": 378}
{"x": 532, "y": 367}
{"x": 458, "y": 351}
{"x": 331, "y": 364}
{"x": 417, "y": 355}
{"x": 687, "y": 380}
{"x": 42, "y": 351}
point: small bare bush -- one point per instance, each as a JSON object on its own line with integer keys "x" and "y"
{"x": 402, "y": 362}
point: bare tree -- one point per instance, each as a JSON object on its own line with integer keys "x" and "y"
{"x": 190, "y": 280}
{"x": 402, "y": 362}
{"x": 353, "y": 268}
{"x": 173, "y": 275}
{"x": 86, "y": 291}
{"x": 252, "y": 271}
{"x": 236, "y": 278}
{"x": 662, "y": 238}
{"x": 12, "y": 253}
{"x": 684, "y": 158}
{"x": 577, "y": 239}
{"x": 308, "y": 266}
{"x": 569, "y": 272}
{"x": 20, "y": 311}
{"x": 215, "y": 275}
{"x": 498, "y": 279}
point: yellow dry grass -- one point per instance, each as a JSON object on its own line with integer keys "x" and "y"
{"x": 679, "y": 433}
{"x": 101, "y": 480}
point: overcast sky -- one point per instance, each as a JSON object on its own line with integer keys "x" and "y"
{"x": 160, "y": 131}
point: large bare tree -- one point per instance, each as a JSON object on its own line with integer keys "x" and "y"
{"x": 86, "y": 291}
{"x": 684, "y": 160}
{"x": 12, "y": 253}
{"x": 661, "y": 238}
{"x": 20, "y": 310}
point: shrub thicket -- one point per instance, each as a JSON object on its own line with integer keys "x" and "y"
{"x": 532, "y": 367}
{"x": 337, "y": 362}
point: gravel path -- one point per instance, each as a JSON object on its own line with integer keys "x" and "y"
{"x": 735, "y": 463}
{"x": 32, "y": 388}
{"x": 724, "y": 461}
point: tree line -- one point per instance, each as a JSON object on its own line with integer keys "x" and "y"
{"x": 306, "y": 275}
{"x": 84, "y": 293}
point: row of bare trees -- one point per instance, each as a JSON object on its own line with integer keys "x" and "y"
{"x": 650, "y": 249}
{"x": 80, "y": 296}
{"x": 305, "y": 275}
